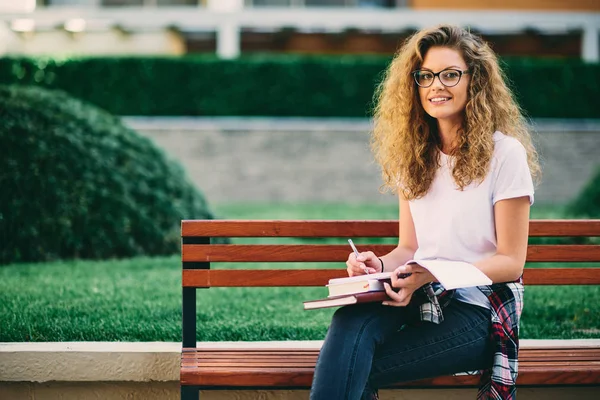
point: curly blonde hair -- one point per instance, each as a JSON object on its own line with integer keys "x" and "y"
{"x": 405, "y": 139}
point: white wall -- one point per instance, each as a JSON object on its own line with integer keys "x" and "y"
{"x": 108, "y": 42}
{"x": 17, "y": 6}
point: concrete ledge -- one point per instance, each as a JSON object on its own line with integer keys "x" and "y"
{"x": 99, "y": 362}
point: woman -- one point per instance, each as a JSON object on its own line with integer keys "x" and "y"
{"x": 453, "y": 144}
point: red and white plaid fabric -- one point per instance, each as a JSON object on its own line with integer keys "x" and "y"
{"x": 506, "y": 299}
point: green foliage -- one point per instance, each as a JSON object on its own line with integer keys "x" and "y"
{"x": 587, "y": 203}
{"x": 340, "y": 86}
{"x": 77, "y": 183}
{"x": 555, "y": 88}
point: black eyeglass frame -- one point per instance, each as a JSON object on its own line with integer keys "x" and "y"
{"x": 437, "y": 74}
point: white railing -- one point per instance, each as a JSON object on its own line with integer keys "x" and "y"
{"x": 228, "y": 24}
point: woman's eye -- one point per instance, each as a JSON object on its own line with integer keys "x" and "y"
{"x": 426, "y": 77}
{"x": 451, "y": 74}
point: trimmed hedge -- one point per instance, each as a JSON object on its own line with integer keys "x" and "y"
{"x": 319, "y": 86}
{"x": 76, "y": 183}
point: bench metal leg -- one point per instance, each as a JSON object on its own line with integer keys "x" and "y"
{"x": 189, "y": 317}
{"x": 189, "y": 393}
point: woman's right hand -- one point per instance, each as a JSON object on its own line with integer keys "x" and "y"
{"x": 365, "y": 261}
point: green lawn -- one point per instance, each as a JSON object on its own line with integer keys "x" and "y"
{"x": 140, "y": 299}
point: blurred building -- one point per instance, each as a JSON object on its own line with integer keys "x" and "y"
{"x": 545, "y": 28}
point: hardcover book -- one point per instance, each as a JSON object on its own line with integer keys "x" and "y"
{"x": 358, "y": 284}
{"x": 347, "y": 299}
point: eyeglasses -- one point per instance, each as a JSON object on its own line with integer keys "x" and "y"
{"x": 448, "y": 77}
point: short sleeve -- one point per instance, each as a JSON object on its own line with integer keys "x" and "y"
{"x": 513, "y": 177}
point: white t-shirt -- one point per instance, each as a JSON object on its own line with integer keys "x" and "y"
{"x": 451, "y": 224}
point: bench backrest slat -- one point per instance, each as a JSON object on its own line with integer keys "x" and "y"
{"x": 319, "y": 277}
{"x": 339, "y": 253}
{"x": 198, "y": 253}
{"x": 353, "y": 229}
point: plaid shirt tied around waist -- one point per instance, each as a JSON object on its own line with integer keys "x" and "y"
{"x": 506, "y": 299}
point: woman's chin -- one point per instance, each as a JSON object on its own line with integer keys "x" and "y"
{"x": 442, "y": 115}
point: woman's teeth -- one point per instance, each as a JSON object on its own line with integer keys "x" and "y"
{"x": 439, "y": 99}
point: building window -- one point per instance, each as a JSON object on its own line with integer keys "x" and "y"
{"x": 68, "y": 2}
{"x": 323, "y": 3}
{"x": 247, "y": 3}
{"x": 113, "y": 3}
{"x": 269, "y": 3}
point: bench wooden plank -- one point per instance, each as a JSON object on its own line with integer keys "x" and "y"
{"x": 232, "y": 359}
{"x": 304, "y": 345}
{"x": 354, "y": 229}
{"x": 526, "y": 354}
{"x": 339, "y": 253}
{"x": 286, "y": 361}
{"x": 564, "y": 228}
{"x": 561, "y": 276}
{"x": 540, "y": 375}
{"x": 320, "y": 277}
{"x": 310, "y": 228}
{"x": 260, "y": 364}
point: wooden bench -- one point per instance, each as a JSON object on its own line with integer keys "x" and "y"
{"x": 285, "y": 368}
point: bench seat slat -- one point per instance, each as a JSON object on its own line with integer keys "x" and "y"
{"x": 243, "y": 364}
{"x": 217, "y": 354}
{"x": 353, "y": 229}
{"x": 320, "y": 277}
{"x": 339, "y": 253}
{"x": 218, "y": 357}
{"x": 525, "y": 355}
{"x": 311, "y": 360}
{"x": 301, "y": 377}
{"x": 252, "y": 365}
{"x": 205, "y": 356}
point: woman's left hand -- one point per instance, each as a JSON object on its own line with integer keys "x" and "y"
{"x": 419, "y": 277}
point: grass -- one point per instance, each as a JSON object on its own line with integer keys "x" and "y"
{"x": 140, "y": 299}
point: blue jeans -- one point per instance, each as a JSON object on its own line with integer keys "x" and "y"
{"x": 369, "y": 346}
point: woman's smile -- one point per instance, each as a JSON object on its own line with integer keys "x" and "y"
{"x": 439, "y": 100}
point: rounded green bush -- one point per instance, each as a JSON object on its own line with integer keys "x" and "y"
{"x": 76, "y": 183}
{"x": 587, "y": 203}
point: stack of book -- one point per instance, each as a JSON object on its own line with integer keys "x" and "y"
{"x": 353, "y": 290}
{"x": 369, "y": 288}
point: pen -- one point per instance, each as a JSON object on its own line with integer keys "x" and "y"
{"x": 356, "y": 253}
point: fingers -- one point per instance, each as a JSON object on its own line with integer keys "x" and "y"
{"x": 401, "y": 277}
{"x": 362, "y": 264}
{"x": 399, "y": 299}
{"x": 353, "y": 270}
{"x": 354, "y": 267}
{"x": 405, "y": 269}
{"x": 369, "y": 260}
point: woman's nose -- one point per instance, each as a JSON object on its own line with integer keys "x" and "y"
{"x": 437, "y": 83}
